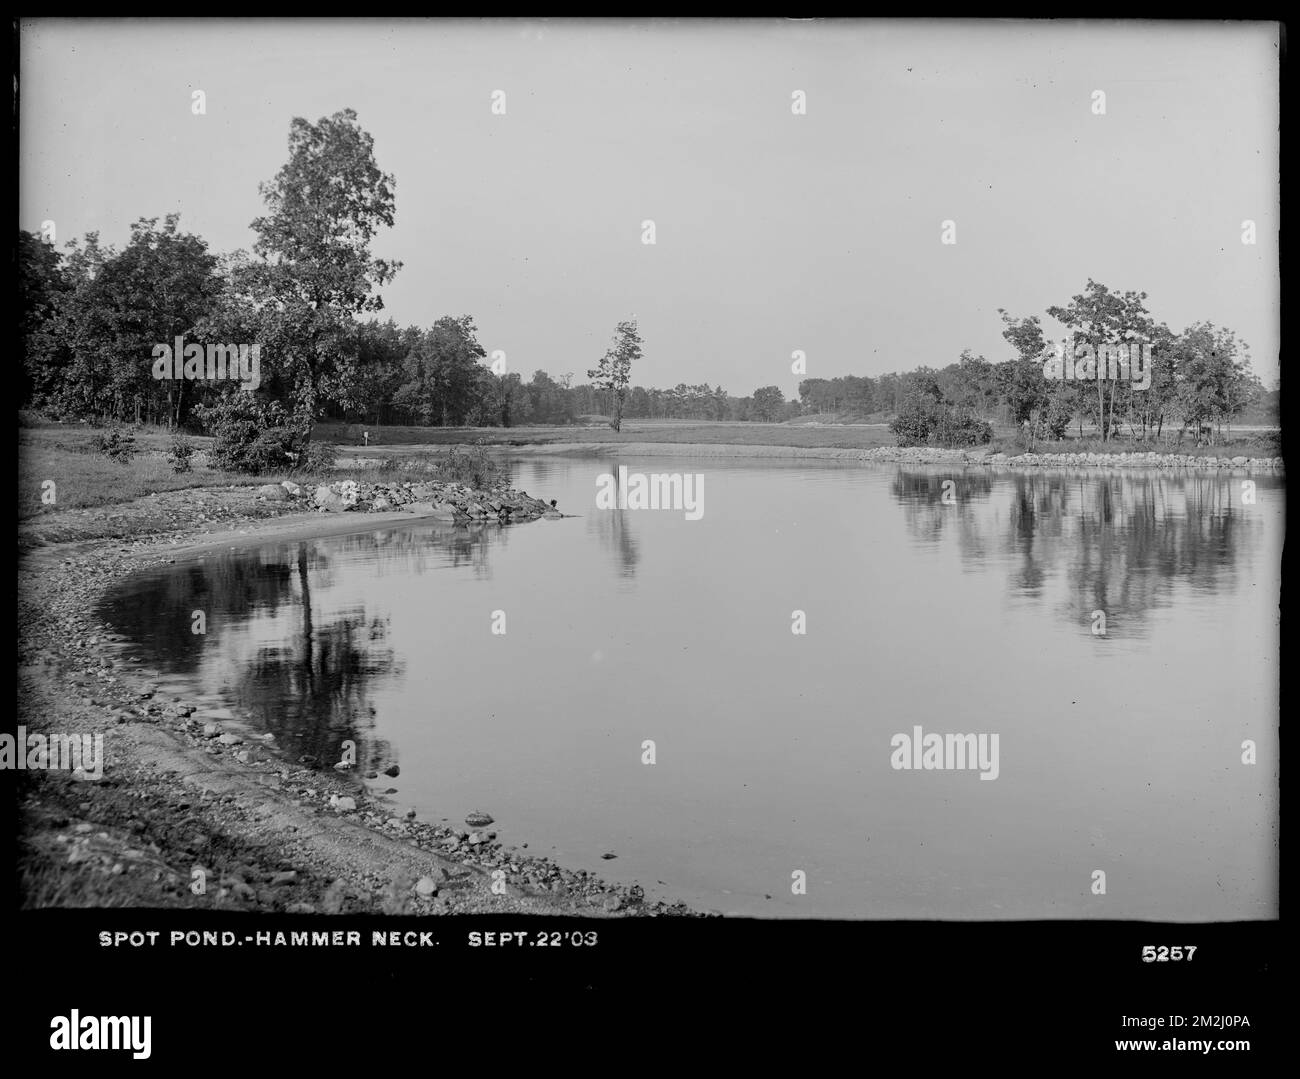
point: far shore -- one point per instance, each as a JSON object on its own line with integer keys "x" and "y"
{"x": 980, "y": 455}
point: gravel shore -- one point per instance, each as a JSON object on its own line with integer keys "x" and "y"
{"x": 195, "y": 811}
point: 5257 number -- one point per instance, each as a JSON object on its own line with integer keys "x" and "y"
{"x": 1165, "y": 954}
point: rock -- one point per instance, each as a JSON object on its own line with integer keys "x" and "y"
{"x": 444, "y": 511}
{"x": 230, "y": 740}
{"x": 380, "y": 505}
{"x": 327, "y": 500}
{"x": 211, "y": 730}
{"x": 291, "y": 488}
{"x": 300, "y": 908}
{"x": 288, "y": 877}
{"x": 392, "y": 770}
{"x": 475, "y": 839}
{"x": 1237, "y": 462}
{"x": 426, "y": 887}
{"x": 273, "y": 492}
{"x": 479, "y": 819}
{"x": 607, "y": 855}
{"x": 343, "y": 804}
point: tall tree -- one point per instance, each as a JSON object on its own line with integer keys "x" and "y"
{"x": 614, "y": 369}
{"x": 1098, "y": 316}
{"x": 315, "y": 270}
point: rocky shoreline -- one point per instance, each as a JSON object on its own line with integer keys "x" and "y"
{"x": 929, "y": 455}
{"x": 442, "y": 501}
{"x": 187, "y": 798}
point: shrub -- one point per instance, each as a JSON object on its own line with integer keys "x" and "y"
{"x": 182, "y": 449}
{"x": 955, "y": 428}
{"x": 116, "y": 443}
{"x": 914, "y": 422}
{"x": 319, "y": 458}
{"x": 470, "y": 465}
{"x": 252, "y": 435}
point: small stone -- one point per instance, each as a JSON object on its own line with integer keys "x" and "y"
{"x": 426, "y": 887}
{"x": 230, "y": 740}
{"x": 392, "y": 770}
{"x": 343, "y": 805}
{"x": 607, "y": 855}
{"x": 288, "y": 877}
{"x": 478, "y": 819}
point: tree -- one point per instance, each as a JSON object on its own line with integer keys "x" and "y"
{"x": 443, "y": 382}
{"x": 315, "y": 271}
{"x": 42, "y": 287}
{"x": 767, "y": 403}
{"x": 1099, "y": 317}
{"x": 615, "y": 367}
{"x": 122, "y": 304}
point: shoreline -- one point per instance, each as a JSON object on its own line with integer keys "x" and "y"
{"x": 875, "y": 455}
{"x": 191, "y": 797}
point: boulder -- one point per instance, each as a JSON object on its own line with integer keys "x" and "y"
{"x": 273, "y": 492}
{"x": 327, "y": 500}
{"x": 422, "y": 508}
{"x": 293, "y": 489}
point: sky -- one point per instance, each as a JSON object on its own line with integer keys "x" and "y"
{"x": 774, "y": 231}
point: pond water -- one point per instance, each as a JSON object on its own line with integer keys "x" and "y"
{"x": 774, "y": 750}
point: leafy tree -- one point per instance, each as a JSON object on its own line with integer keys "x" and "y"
{"x": 315, "y": 271}
{"x": 614, "y": 370}
{"x": 767, "y": 403}
{"x": 443, "y": 382}
{"x": 1096, "y": 317}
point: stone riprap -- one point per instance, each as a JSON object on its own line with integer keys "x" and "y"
{"x": 443, "y": 501}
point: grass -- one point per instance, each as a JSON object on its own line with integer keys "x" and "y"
{"x": 659, "y": 431}
{"x": 470, "y": 465}
{"x": 63, "y": 454}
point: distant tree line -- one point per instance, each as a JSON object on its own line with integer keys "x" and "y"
{"x": 1200, "y": 379}
{"x": 92, "y": 317}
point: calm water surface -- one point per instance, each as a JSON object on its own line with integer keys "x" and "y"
{"x": 1119, "y": 753}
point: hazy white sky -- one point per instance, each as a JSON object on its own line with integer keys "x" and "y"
{"x": 774, "y": 231}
